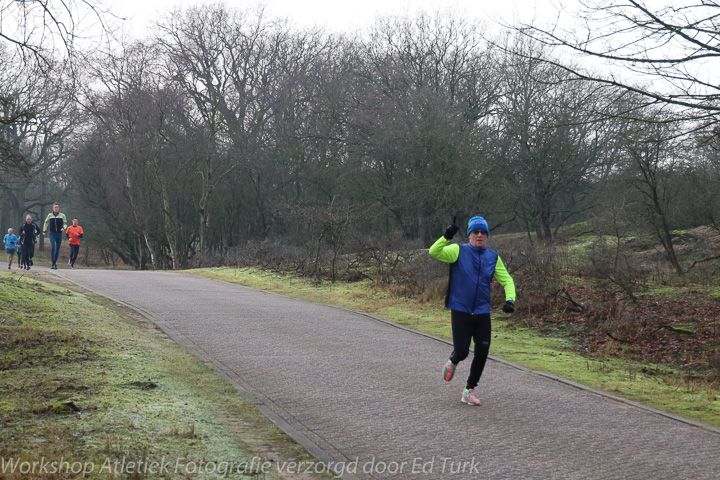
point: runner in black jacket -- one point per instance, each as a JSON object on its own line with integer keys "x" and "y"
{"x": 28, "y": 234}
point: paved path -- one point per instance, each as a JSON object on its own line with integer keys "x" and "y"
{"x": 355, "y": 389}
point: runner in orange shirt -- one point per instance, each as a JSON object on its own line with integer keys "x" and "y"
{"x": 74, "y": 233}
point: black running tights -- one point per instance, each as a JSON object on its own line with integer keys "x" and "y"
{"x": 28, "y": 251}
{"x": 465, "y": 327}
{"x": 74, "y": 250}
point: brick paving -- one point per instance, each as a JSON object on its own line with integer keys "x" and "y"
{"x": 361, "y": 392}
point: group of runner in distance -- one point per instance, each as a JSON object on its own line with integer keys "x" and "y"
{"x": 54, "y": 227}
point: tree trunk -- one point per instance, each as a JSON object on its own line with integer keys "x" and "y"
{"x": 665, "y": 237}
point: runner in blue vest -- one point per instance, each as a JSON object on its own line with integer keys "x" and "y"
{"x": 473, "y": 268}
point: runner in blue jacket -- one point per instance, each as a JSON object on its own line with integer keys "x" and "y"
{"x": 10, "y": 240}
{"x": 473, "y": 268}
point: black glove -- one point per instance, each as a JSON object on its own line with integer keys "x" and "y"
{"x": 509, "y": 307}
{"x": 451, "y": 231}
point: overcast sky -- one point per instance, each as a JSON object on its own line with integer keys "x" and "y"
{"x": 342, "y": 15}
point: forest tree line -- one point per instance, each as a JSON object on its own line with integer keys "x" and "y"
{"x": 229, "y": 128}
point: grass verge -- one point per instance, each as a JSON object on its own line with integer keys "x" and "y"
{"x": 653, "y": 385}
{"x": 93, "y": 390}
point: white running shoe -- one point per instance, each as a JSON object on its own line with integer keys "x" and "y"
{"x": 448, "y": 371}
{"x": 469, "y": 397}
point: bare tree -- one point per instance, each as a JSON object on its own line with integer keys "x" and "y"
{"x": 257, "y": 87}
{"x": 653, "y": 160}
{"x": 39, "y": 42}
{"x": 38, "y": 117}
{"x": 553, "y": 141}
{"x": 16, "y": 112}
{"x": 704, "y": 195}
{"x": 145, "y": 151}
{"x": 670, "y": 50}
{"x": 426, "y": 90}
{"x": 229, "y": 63}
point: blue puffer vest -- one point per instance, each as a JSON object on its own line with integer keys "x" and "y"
{"x": 470, "y": 282}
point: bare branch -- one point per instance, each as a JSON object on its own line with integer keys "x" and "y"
{"x": 51, "y": 28}
{"x": 671, "y": 47}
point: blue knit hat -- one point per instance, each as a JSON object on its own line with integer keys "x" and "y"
{"x": 477, "y": 223}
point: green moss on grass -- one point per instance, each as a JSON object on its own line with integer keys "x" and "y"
{"x": 85, "y": 382}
